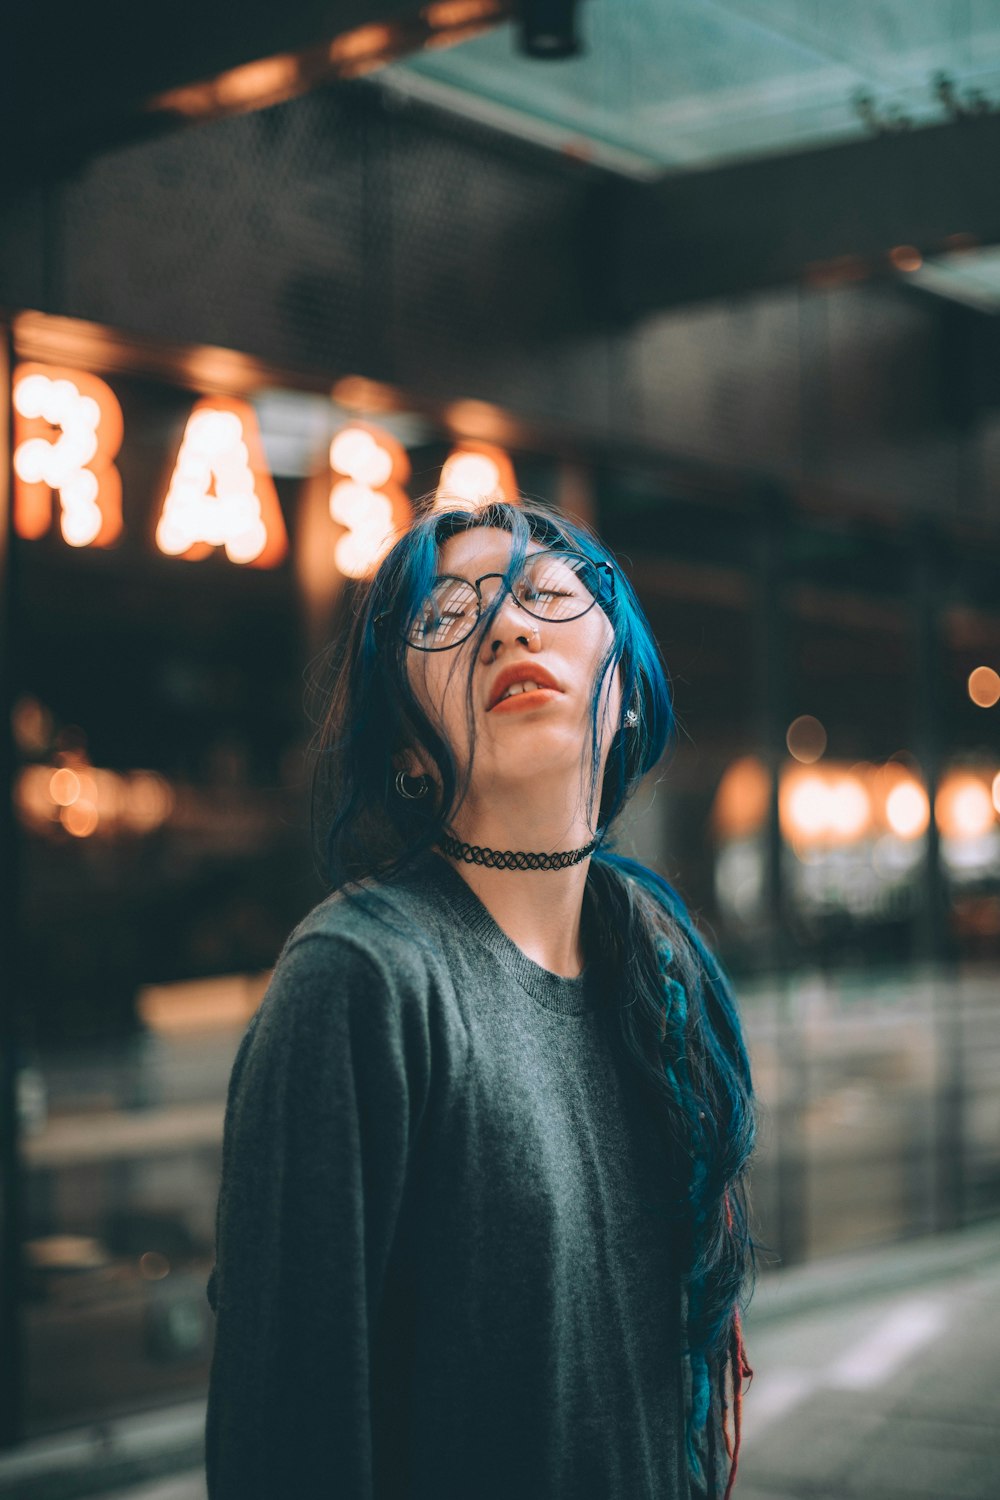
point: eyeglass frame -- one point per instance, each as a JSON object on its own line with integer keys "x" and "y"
{"x": 475, "y": 584}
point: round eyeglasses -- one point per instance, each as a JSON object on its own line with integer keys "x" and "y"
{"x": 551, "y": 585}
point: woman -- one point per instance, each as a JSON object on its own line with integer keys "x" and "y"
{"x": 482, "y": 1228}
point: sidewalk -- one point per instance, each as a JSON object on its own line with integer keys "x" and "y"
{"x": 875, "y": 1381}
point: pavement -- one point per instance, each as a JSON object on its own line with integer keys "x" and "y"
{"x": 874, "y": 1380}
{"x": 880, "y": 1392}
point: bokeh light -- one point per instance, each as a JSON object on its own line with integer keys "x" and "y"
{"x": 984, "y": 687}
{"x": 806, "y": 738}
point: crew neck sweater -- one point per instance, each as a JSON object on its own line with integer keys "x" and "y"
{"x": 444, "y": 1265}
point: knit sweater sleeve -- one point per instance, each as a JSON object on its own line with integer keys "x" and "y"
{"x": 325, "y": 1100}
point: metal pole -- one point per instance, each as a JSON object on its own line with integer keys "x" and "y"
{"x": 931, "y": 941}
{"x": 771, "y": 695}
{"x": 11, "y": 1300}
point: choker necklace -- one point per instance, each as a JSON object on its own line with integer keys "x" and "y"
{"x": 510, "y": 859}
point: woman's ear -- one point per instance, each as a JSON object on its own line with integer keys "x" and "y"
{"x": 409, "y": 761}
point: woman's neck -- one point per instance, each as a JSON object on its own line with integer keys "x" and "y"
{"x": 539, "y": 910}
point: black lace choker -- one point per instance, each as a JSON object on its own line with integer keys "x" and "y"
{"x": 511, "y": 859}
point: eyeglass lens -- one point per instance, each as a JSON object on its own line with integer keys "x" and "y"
{"x": 551, "y": 586}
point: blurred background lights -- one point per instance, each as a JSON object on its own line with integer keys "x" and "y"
{"x": 850, "y": 810}
{"x": 741, "y": 800}
{"x": 907, "y": 809}
{"x": 808, "y": 808}
{"x": 806, "y": 738}
{"x": 220, "y": 492}
{"x": 367, "y": 517}
{"x": 906, "y": 258}
{"x": 474, "y": 474}
{"x": 153, "y": 1265}
{"x": 964, "y": 805}
{"x": 984, "y": 687}
{"x": 64, "y": 787}
{"x": 995, "y": 791}
{"x": 369, "y": 501}
{"x": 824, "y": 807}
{"x": 83, "y": 799}
{"x": 32, "y": 724}
{"x": 81, "y": 818}
{"x": 75, "y": 464}
{"x": 356, "y": 453}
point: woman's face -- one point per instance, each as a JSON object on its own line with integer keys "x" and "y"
{"x": 540, "y": 736}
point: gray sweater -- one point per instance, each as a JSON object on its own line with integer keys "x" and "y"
{"x": 443, "y": 1266}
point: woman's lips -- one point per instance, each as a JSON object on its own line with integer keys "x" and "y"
{"x": 537, "y": 698}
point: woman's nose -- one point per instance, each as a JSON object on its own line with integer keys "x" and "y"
{"x": 511, "y": 624}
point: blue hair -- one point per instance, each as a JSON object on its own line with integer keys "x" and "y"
{"x": 678, "y": 1022}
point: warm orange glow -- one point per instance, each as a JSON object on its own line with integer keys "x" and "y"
{"x": 369, "y": 44}
{"x": 805, "y": 808}
{"x": 824, "y": 806}
{"x": 356, "y": 452}
{"x": 250, "y": 86}
{"x": 842, "y": 268}
{"x": 32, "y": 725}
{"x": 369, "y": 500}
{"x": 806, "y": 739}
{"x": 357, "y": 393}
{"x": 480, "y": 421}
{"x": 907, "y": 809}
{"x": 964, "y": 805}
{"x": 81, "y": 819}
{"x": 995, "y": 791}
{"x": 473, "y": 475}
{"x": 444, "y": 13}
{"x": 82, "y": 797}
{"x": 906, "y": 258}
{"x": 67, "y": 432}
{"x": 221, "y": 493}
{"x": 222, "y": 1003}
{"x": 64, "y": 787}
{"x": 900, "y": 805}
{"x": 984, "y": 687}
{"x": 850, "y": 807}
{"x": 147, "y": 801}
{"x": 741, "y": 800}
{"x": 32, "y": 798}
{"x": 255, "y": 83}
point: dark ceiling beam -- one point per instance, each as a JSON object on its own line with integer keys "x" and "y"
{"x": 823, "y": 217}
{"x": 84, "y": 78}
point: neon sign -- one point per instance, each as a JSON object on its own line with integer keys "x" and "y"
{"x": 68, "y": 429}
{"x": 221, "y": 493}
{"x": 368, "y": 499}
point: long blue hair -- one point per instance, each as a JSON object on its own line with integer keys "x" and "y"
{"x": 677, "y": 1019}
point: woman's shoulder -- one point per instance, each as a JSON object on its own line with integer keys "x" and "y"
{"x": 386, "y": 926}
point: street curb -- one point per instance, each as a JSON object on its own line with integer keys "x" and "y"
{"x": 107, "y": 1456}
{"x": 787, "y": 1293}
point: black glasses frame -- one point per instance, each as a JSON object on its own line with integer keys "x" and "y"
{"x": 606, "y": 567}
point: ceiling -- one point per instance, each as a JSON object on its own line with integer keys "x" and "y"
{"x": 665, "y": 86}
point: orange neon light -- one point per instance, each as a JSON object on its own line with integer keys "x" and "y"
{"x": 68, "y": 429}
{"x": 367, "y": 497}
{"x": 221, "y": 493}
{"x": 473, "y": 475}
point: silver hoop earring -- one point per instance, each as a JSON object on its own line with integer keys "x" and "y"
{"x": 631, "y": 719}
{"x": 401, "y": 788}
